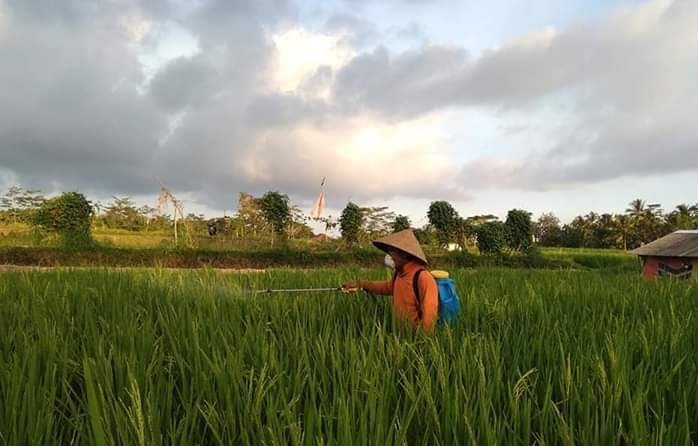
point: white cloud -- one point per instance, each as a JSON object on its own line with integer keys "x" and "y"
{"x": 136, "y": 27}
{"x": 300, "y": 53}
{"x": 360, "y": 155}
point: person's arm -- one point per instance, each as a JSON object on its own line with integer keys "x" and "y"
{"x": 384, "y": 287}
{"x": 429, "y": 293}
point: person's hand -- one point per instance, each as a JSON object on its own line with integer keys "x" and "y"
{"x": 352, "y": 285}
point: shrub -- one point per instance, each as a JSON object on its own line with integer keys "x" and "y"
{"x": 69, "y": 216}
{"x": 491, "y": 237}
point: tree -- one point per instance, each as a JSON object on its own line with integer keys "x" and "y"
{"x": 197, "y": 223}
{"x": 680, "y": 218}
{"x": 69, "y": 215}
{"x": 377, "y": 221}
{"x": 122, "y": 214}
{"x": 624, "y": 228}
{"x": 250, "y": 216}
{"x": 30, "y": 199}
{"x": 350, "y": 223}
{"x": 646, "y": 221}
{"x": 636, "y": 208}
{"x": 443, "y": 217}
{"x": 590, "y": 223}
{"x": 477, "y": 220}
{"x": 401, "y": 223}
{"x": 298, "y": 223}
{"x": 26, "y": 203}
{"x": 276, "y": 211}
{"x": 637, "y": 213}
{"x": 548, "y": 231}
{"x": 330, "y": 223}
{"x": 519, "y": 229}
{"x": 426, "y": 235}
{"x": 147, "y": 214}
{"x": 8, "y": 201}
{"x": 463, "y": 232}
{"x": 19, "y": 204}
{"x": 491, "y": 237}
{"x": 606, "y": 232}
{"x": 573, "y": 233}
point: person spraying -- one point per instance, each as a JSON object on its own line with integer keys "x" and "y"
{"x": 415, "y": 295}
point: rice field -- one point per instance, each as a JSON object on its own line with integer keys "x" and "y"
{"x": 155, "y": 357}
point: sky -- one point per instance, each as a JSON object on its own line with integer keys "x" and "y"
{"x": 549, "y": 106}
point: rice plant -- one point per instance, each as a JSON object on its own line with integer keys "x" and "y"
{"x": 155, "y": 357}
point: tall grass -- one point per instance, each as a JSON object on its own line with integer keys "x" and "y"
{"x": 96, "y": 357}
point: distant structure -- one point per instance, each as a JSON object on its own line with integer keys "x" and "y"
{"x": 674, "y": 255}
{"x": 453, "y": 247}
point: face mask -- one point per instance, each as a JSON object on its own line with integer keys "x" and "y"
{"x": 389, "y": 262}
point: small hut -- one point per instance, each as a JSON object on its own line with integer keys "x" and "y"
{"x": 674, "y": 255}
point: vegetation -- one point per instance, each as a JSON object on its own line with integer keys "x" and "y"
{"x": 276, "y": 212}
{"x": 68, "y": 215}
{"x": 444, "y": 218}
{"x": 304, "y": 258}
{"x": 260, "y": 220}
{"x": 195, "y": 358}
{"x": 491, "y": 237}
{"x": 18, "y": 205}
{"x": 401, "y": 223}
{"x": 350, "y": 223}
{"x": 518, "y": 229}
{"x": 376, "y": 222}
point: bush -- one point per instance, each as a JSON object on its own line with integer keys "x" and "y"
{"x": 461, "y": 259}
{"x": 350, "y": 223}
{"x": 518, "y": 230}
{"x": 491, "y": 237}
{"x": 69, "y": 216}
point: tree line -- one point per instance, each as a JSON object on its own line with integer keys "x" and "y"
{"x": 640, "y": 223}
{"x": 273, "y": 218}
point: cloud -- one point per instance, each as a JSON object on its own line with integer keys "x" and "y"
{"x": 301, "y": 55}
{"x": 244, "y": 112}
{"x": 263, "y": 102}
{"x": 361, "y": 158}
{"x": 183, "y": 82}
{"x": 70, "y": 109}
{"x": 626, "y": 85}
{"x": 399, "y": 86}
{"x": 356, "y": 31}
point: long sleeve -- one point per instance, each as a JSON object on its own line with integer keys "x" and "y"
{"x": 383, "y": 287}
{"x": 429, "y": 293}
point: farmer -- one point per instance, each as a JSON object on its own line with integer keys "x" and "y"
{"x": 406, "y": 256}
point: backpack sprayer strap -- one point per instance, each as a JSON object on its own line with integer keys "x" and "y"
{"x": 415, "y": 288}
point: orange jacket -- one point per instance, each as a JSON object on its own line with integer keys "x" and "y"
{"x": 404, "y": 300}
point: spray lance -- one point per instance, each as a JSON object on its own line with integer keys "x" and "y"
{"x": 388, "y": 260}
{"x": 308, "y": 290}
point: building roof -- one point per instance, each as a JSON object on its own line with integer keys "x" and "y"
{"x": 677, "y": 244}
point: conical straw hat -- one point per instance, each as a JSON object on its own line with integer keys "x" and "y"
{"x": 404, "y": 241}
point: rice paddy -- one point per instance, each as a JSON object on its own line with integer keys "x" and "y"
{"x": 154, "y": 357}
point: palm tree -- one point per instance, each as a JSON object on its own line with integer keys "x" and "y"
{"x": 694, "y": 215}
{"x": 680, "y": 218}
{"x": 636, "y": 207}
{"x": 625, "y": 227}
{"x": 640, "y": 215}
